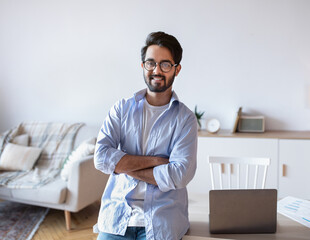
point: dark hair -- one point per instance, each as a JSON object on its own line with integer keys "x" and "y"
{"x": 163, "y": 40}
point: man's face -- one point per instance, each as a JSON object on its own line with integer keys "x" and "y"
{"x": 157, "y": 80}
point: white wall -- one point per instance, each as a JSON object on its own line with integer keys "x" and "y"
{"x": 71, "y": 60}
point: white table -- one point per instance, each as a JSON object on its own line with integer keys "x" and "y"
{"x": 287, "y": 229}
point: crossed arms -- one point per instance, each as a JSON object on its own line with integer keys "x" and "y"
{"x": 140, "y": 167}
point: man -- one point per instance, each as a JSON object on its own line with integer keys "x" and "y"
{"x": 148, "y": 144}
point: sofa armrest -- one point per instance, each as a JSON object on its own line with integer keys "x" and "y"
{"x": 85, "y": 184}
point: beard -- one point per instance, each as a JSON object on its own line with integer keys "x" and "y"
{"x": 157, "y": 87}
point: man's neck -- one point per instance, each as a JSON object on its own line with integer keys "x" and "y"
{"x": 158, "y": 98}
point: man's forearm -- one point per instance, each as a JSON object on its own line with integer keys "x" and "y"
{"x": 132, "y": 163}
{"x": 145, "y": 175}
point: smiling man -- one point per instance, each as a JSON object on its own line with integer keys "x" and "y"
{"x": 148, "y": 143}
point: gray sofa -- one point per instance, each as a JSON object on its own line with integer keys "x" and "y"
{"x": 84, "y": 186}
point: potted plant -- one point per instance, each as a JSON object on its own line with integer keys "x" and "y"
{"x": 198, "y": 116}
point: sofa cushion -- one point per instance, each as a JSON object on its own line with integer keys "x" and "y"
{"x": 17, "y": 157}
{"x": 21, "y": 140}
{"x": 54, "y": 192}
{"x": 86, "y": 148}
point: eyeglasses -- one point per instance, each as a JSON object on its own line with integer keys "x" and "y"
{"x": 165, "y": 66}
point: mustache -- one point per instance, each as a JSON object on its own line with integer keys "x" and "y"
{"x": 158, "y": 75}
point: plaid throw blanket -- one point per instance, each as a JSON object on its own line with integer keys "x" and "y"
{"x": 56, "y": 140}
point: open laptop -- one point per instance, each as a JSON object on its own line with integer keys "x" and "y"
{"x": 243, "y": 211}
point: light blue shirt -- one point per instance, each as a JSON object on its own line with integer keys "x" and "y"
{"x": 174, "y": 136}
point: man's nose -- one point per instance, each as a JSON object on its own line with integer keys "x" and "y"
{"x": 157, "y": 69}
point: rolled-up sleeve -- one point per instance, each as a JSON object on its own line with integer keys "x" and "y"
{"x": 182, "y": 161}
{"x": 107, "y": 154}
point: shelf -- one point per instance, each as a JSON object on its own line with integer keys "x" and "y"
{"x": 267, "y": 134}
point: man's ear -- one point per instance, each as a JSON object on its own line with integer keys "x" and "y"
{"x": 178, "y": 69}
{"x": 142, "y": 64}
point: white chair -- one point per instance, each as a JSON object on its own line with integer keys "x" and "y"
{"x": 242, "y": 173}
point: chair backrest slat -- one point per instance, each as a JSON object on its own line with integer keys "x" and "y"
{"x": 247, "y": 176}
{"x": 212, "y": 176}
{"x": 265, "y": 176}
{"x": 255, "y": 178}
{"x": 238, "y": 174}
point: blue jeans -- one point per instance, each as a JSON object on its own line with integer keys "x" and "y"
{"x": 132, "y": 233}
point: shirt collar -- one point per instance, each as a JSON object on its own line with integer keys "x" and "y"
{"x": 141, "y": 94}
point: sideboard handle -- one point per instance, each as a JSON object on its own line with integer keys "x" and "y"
{"x": 222, "y": 168}
{"x": 284, "y": 170}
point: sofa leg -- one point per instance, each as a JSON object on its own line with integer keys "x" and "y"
{"x": 68, "y": 220}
